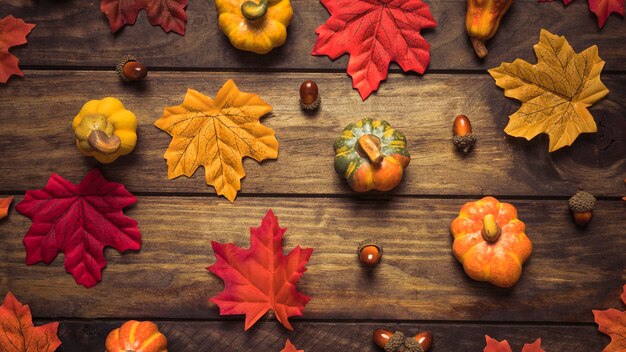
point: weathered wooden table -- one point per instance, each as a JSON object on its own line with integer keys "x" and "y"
{"x": 69, "y": 59}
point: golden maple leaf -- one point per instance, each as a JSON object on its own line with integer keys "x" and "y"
{"x": 217, "y": 134}
{"x": 555, "y": 93}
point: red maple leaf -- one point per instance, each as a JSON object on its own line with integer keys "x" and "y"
{"x": 602, "y": 8}
{"x": 262, "y": 277}
{"x": 494, "y": 346}
{"x": 17, "y": 332}
{"x": 289, "y": 347}
{"x": 13, "y": 31}
{"x": 613, "y": 323}
{"x": 79, "y": 220}
{"x": 4, "y": 206}
{"x": 169, "y": 14}
{"x": 374, "y": 33}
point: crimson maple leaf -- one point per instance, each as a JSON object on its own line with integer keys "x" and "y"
{"x": 79, "y": 220}
{"x": 374, "y": 33}
{"x": 289, "y": 347}
{"x": 17, "y": 332}
{"x": 13, "y": 31}
{"x": 169, "y": 14}
{"x": 613, "y": 323}
{"x": 494, "y": 346}
{"x": 601, "y": 8}
{"x": 262, "y": 277}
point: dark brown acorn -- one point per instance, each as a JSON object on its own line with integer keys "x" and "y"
{"x": 131, "y": 70}
{"x": 463, "y": 138}
{"x": 381, "y": 338}
{"x": 582, "y": 204}
{"x": 369, "y": 253}
{"x": 309, "y": 95}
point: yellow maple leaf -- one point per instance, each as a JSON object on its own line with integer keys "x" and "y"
{"x": 217, "y": 134}
{"x": 555, "y": 92}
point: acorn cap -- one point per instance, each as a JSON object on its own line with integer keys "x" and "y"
{"x": 369, "y": 242}
{"x": 313, "y": 106}
{"x": 464, "y": 142}
{"x": 119, "y": 68}
{"x": 582, "y": 202}
{"x": 400, "y": 343}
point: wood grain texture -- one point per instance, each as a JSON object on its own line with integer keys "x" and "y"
{"x": 74, "y": 32}
{"x": 36, "y": 136}
{"x": 570, "y": 272}
{"x": 324, "y": 337}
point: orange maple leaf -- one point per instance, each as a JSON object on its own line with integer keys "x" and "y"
{"x": 289, "y": 347}
{"x": 262, "y": 277}
{"x": 494, "y": 345}
{"x": 217, "y": 134}
{"x": 17, "y": 332}
{"x": 613, "y": 323}
{"x": 4, "y": 206}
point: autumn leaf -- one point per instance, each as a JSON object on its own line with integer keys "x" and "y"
{"x": 217, "y": 134}
{"x": 602, "y": 8}
{"x": 289, "y": 347}
{"x": 17, "y": 332}
{"x": 613, "y": 323}
{"x": 4, "y": 206}
{"x": 169, "y": 14}
{"x": 262, "y": 277}
{"x": 494, "y": 345}
{"x": 79, "y": 220}
{"x": 555, "y": 92}
{"x": 374, "y": 33}
{"x": 13, "y": 31}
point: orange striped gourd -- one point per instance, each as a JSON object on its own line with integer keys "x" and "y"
{"x": 135, "y": 336}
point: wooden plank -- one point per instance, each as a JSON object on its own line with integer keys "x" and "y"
{"x": 72, "y": 32}
{"x": 312, "y": 337}
{"x": 570, "y": 272}
{"x": 36, "y": 138}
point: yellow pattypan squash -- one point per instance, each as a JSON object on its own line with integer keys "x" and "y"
{"x": 255, "y": 26}
{"x": 105, "y": 130}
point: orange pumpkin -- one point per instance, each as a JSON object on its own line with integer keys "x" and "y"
{"x": 135, "y": 336}
{"x": 490, "y": 242}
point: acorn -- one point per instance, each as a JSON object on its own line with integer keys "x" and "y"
{"x": 463, "y": 138}
{"x": 131, "y": 70}
{"x": 309, "y": 95}
{"x": 582, "y": 204}
{"x": 369, "y": 253}
{"x": 397, "y": 342}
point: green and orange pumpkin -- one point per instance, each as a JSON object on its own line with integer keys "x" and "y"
{"x": 490, "y": 241}
{"x": 370, "y": 154}
{"x": 136, "y": 336}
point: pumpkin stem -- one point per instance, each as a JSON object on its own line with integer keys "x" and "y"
{"x": 479, "y": 47}
{"x": 253, "y": 10}
{"x": 491, "y": 231}
{"x": 368, "y": 145}
{"x": 104, "y": 143}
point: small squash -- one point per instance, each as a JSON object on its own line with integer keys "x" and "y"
{"x": 370, "y": 154}
{"x": 135, "y": 336}
{"x": 490, "y": 242}
{"x": 105, "y": 130}
{"x": 255, "y": 26}
{"x": 483, "y": 20}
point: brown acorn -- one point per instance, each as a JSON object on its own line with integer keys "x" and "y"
{"x": 463, "y": 138}
{"x": 131, "y": 70}
{"x": 369, "y": 253}
{"x": 309, "y": 95}
{"x": 582, "y": 204}
{"x": 397, "y": 342}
